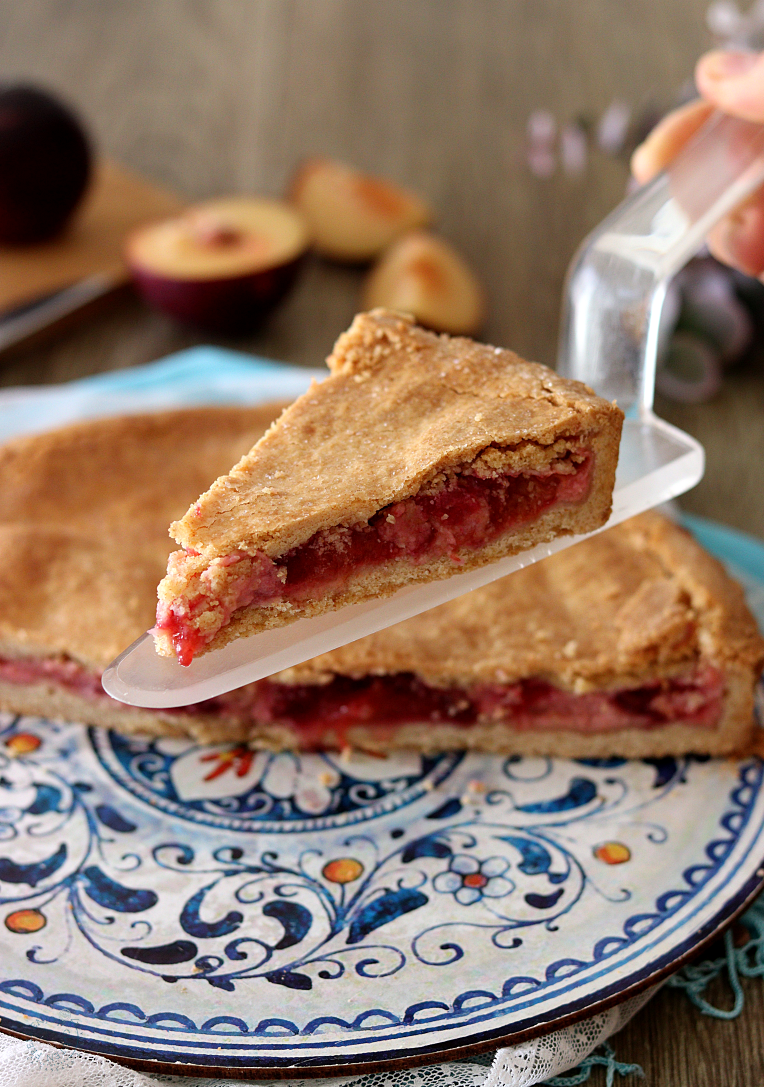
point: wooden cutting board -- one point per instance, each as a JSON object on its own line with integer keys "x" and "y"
{"x": 117, "y": 201}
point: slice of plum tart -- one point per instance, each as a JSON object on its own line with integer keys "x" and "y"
{"x": 419, "y": 457}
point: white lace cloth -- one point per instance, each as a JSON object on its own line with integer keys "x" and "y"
{"x": 35, "y": 1064}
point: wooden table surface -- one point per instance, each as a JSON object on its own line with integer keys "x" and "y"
{"x": 211, "y": 96}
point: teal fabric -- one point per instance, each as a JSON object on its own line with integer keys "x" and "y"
{"x": 737, "y": 962}
{"x": 200, "y": 375}
{"x": 746, "y": 961}
{"x": 199, "y": 367}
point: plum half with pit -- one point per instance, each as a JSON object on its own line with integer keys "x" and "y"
{"x": 45, "y": 164}
{"x": 221, "y": 265}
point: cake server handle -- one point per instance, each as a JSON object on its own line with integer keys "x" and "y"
{"x": 616, "y": 283}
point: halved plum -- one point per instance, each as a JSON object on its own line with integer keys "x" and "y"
{"x": 221, "y": 265}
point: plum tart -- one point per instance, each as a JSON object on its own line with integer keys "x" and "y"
{"x": 419, "y": 457}
{"x": 634, "y": 642}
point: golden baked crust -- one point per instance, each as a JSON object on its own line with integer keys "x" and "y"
{"x": 401, "y": 410}
{"x": 83, "y": 523}
{"x": 413, "y": 404}
{"x": 83, "y": 514}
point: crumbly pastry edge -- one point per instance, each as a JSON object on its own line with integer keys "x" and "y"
{"x": 728, "y": 632}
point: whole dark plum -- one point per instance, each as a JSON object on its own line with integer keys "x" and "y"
{"x": 45, "y": 164}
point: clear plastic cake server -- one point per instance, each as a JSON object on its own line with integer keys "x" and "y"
{"x": 611, "y": 321}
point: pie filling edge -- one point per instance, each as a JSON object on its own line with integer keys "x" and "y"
{"x": 322, "y": 715}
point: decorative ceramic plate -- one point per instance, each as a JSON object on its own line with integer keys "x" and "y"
{"x": 167, "y": 902}
{"x": 242, "y": 913}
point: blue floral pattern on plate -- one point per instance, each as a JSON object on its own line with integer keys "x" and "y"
{"x": 469, "y": 879}
{"x": 228, "y": 908}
